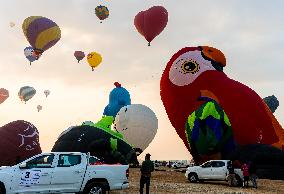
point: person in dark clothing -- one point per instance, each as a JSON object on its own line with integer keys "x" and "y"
{"x": 252, "y": 174}
{"x": 231, "y": 174}
{"x": 146, "y": 169}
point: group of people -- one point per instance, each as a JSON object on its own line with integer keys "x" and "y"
{"x": 248, "y": 170}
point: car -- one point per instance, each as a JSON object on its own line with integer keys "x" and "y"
{"x": 212, "y": 170}
{"x": 63, "y": 172}
{"x": 180, "y": 164}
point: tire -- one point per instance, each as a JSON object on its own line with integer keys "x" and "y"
{"x": 94, "y": 188}
{"x": 239, "y": 180}
{"x": 192, "y": 177}
{"x": 2, "y": 189}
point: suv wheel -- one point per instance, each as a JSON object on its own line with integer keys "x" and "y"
{"x": 94, "y": 188}
{"x": 192, "y": 177}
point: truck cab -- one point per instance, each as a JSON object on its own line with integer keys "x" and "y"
{"x": 61, "y": 172}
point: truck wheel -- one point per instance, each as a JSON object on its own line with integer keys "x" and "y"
{"x": 192, "y": 177}
{"x": 2, "y": 189}
{"x": 239, "y": 180}
{"x": 94, "y": 188}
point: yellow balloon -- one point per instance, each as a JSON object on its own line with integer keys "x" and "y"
{"x": 94, "y": 59}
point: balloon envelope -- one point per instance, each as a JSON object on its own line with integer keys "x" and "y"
{"x": 4, "y": 94}
{"x": 46, "y": 92}
{"x": 29, "y": 53}
{"x": 42, "y": 33}
{"x": 138, "y": 124}
{"x": 79, "y": 55}
{"x": 25, "y": 93}
{"x": 19, "y": 140}
{"x": 151, "y": 22}
{"x": 39, "y": 108}
{"x": 118, "y": 98}
{"x": 94, "y": 59}
{"x": 99, "y": 142}
{"x": 102, "y": 12}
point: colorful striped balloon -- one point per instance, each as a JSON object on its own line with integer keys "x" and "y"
{"x": 42, "y": 33}
{"x": 102, "y": 12}
{"x": 26, "y": 93}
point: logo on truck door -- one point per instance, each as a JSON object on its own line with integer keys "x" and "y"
{"x": 30, "y": 177}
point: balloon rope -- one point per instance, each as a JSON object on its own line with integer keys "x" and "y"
{"x": 30, "y": 63}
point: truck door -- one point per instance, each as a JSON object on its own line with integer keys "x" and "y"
{"x": 69, "y": 172}
{"x": 36, "y": 176}
{"x": 205, "y": 171}
{"x": 219, "y": 170}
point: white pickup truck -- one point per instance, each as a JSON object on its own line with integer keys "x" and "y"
{"x": 212, "y": 170}
{"x": 63, "y": 172}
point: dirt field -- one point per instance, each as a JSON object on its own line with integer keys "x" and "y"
{"x": 175, "y": 182}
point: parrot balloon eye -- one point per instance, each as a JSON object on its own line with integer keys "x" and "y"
{"x": 187, "y": 67}
{"x": 190, "y": 67}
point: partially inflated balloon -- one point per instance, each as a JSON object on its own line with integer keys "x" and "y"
{"x": 151, "y": 22}
{"x": 94, "y": 59}
{"x": 42, "y": 33}
{"x": 138, "y": 124}
{"x": 102, "y": 12}
{"x": 98, "y": 140}
{"x": 30, "y": 55}
{"x": 79, "y": 55}
{"x": 4, "y": 94}
{"x": 46, "y": 93}
{"x": 26, "y": 93}
{"x": 19, "y": 141}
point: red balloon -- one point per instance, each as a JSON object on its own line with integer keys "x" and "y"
{"x": 19, "y": 141}
{"x": 4, "y": 94}
{"x": 151, "y": 22}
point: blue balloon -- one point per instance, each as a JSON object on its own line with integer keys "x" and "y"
{"x": 29, "y": 53}
{"x": 118, "y": 98}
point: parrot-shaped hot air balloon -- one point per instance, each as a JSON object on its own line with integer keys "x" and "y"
{"x": 39, "y": 108}
{"x": 118, "y": 98}
{"x": 41, "y": 32}
{"x": 4, "y": 94}
{"x": 151, "y": 23}
{"x": 30, "y": 55}
{"x": 25, "y": 93}
{"x": 19, "y": 141}
{"x": 102, "y": 12}
{"x": 79, "y": 55}
{"x": 94, "y": 59}
{"x": 138, "y": 124}
{"x": 46, "y": 93}
{"x": 212, "y": 113}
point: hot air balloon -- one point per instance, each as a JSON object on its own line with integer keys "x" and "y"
{"x": 118, "y": 98}
{"x": 42, "y": 33}
{"x": 102, "y": 12}
{"x": 79, "y": 55}
{"x": 99, "y": 140}
{"x": 138, "y": 124}
{"x": 26, "y": 93}
{"x": 94, "y": 59}
{"x": 4, "y": 94}
{"x": 19, "y": 141}
{"x": 39, "y": 108}
{"x": 46, "y": 92}
{"x": 12, "y": 24}
{"x": 30, "y": 55}
{"x": 151, "y": 22}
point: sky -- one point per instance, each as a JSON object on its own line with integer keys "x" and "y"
{"x": 249, "y": 33}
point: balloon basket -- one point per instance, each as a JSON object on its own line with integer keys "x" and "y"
{"x": 149, "y": 44}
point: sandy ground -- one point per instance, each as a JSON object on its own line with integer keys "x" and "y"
{"x": 170, "y": 181}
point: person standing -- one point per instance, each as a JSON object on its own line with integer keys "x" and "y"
{"x": 252, "y": 173}
{"x": 231, "y": 175}
{"x": 146, "y": 169}
{"x": 245, "y": 169}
